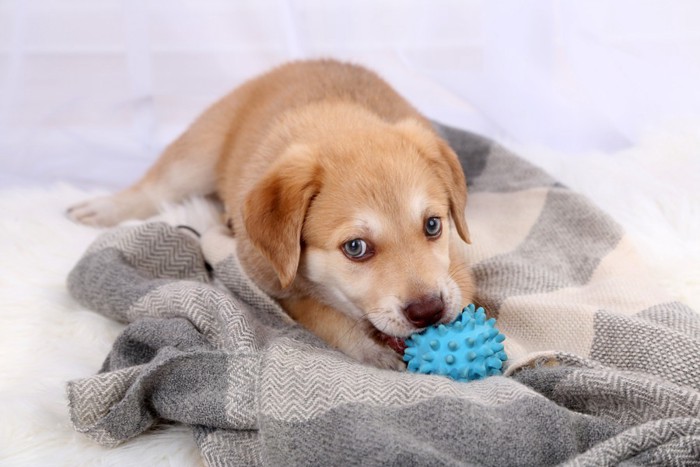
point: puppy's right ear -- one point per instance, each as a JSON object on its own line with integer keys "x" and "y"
{"x": 274, "y": 211}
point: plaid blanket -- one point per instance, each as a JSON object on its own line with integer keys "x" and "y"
{"x": 604, "y": 369}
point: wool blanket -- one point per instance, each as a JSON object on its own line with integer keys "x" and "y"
{"x": 603, "y": 368}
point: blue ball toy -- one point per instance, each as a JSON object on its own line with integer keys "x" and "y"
{"x": 469, "y": 348}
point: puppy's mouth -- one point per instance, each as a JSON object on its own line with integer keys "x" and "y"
{"x": 396, "y": 343}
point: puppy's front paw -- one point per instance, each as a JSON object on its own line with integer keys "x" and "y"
{"x": 103, "y": 211}
{"x": 381, "y": 357}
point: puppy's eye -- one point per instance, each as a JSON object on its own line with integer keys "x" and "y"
{"x": 433, "y": 227}
{"x": 356, "y": 249}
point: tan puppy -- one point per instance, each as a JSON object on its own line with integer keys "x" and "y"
{"x": 345, "y": 204}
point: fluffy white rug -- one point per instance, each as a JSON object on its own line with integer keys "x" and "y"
{"x": 47, "y": 339}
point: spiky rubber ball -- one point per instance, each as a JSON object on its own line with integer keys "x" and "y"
{"x": 469, "y": 348}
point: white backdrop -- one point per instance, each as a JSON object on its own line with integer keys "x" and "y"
{"x": 90, "y": 91}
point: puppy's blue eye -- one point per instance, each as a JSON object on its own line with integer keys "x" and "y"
{"x": 355, "y": 249}
{"x": 433, "y": 227}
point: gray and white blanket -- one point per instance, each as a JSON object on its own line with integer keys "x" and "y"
{"x": 605, "y": 370}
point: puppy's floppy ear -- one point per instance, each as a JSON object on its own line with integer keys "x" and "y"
{"x": 453, "y": 175}
{"x": 447, "y": 167}
{"x": 275, "y": 209}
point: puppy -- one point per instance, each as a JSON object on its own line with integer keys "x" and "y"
{"x": 346, "y": 206}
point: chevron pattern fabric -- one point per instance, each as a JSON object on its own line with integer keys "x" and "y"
{"x": 604, "y": 368}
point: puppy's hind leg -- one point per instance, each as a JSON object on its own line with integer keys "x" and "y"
{"x": 187, "y": 167}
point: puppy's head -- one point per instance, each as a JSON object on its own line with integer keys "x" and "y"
{"x": 367, "y": 220}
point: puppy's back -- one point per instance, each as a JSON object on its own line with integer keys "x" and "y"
{"x": 254, "y": 111}
{"x": 311, "y": 81}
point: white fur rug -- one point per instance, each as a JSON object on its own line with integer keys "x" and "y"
{"x": 47, "y": 339}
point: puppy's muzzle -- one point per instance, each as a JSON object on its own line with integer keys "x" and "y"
{"x": 425, "y": 311}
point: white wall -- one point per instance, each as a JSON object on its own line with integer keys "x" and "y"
{"x": 91, "y": 90}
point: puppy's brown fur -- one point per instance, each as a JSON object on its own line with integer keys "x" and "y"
{"x": 306, "y": 158}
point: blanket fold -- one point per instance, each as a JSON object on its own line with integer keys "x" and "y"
{"x": 604, "y": 371}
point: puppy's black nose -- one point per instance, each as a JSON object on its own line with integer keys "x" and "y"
{"x": 425, "y": 311}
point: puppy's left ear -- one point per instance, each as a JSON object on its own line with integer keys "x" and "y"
{"x": 446, "y": 164}
{"x": 274, "y": 210}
